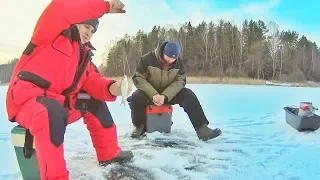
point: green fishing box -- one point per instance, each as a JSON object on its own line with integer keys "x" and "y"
{"x": 29, "y": 167}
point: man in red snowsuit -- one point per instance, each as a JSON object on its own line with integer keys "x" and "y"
{"x": 55, "y": 69}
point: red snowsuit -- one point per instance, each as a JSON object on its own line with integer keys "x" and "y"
{"x": 51, "y": 71}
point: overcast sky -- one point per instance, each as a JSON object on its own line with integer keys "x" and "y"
{"x": 18, "y": 18}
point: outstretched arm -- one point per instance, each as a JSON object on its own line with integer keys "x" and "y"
{"x": 60, "y": 14}
{"x": 97, "y": 85}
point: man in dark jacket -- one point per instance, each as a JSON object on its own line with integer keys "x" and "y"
{"x": 160, "y": 79}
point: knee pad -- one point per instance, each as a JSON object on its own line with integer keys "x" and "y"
{"x": 57, "y": 117}
{"x": 101, "y": 111}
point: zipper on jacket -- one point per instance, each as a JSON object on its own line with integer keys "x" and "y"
{"x": 84, "y": 60}
{"x": 161, "y": 77}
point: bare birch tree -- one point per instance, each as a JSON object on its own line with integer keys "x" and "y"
{"x": 273, "y": 41}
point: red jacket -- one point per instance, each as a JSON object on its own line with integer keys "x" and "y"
{"x": 52, "y": 57}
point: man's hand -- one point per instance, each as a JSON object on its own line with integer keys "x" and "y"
{"x": 115, "y": 88}
{"x": 116, "y": 6}
{"x": 158, "y": 99}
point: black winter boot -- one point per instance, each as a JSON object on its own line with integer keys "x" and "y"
{"x": 123, "y": 157}
{"x": 205, "y": 133}
{"x": 137, "y": 131}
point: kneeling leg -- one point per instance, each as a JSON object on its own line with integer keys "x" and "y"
{"x": 47, "y": 120}
{"x": 103, "y": 133}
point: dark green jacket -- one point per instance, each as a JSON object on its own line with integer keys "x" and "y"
{"x": 153, "y": 77}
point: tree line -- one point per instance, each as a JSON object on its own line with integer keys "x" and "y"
{"x": 255, "y": 49}
{"x": 6, "y": 70}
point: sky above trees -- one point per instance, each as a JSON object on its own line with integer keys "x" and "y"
{"x": 21, "y": 16}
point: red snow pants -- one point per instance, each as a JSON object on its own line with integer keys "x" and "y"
{"x": 47, "y": 119}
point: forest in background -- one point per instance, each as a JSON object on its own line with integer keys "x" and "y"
{"x": 254, "y": 50}
{"x": 6, "y": 70}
